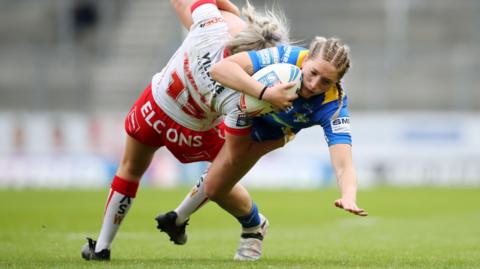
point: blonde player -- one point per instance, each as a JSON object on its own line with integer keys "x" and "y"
{"x": 322, "y": 102}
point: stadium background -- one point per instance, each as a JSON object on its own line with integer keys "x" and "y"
{"x": 70, "y": 70}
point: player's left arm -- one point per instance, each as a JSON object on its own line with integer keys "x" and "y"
{"x": 341, "y": 157}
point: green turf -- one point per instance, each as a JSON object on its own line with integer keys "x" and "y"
{"x": 407, "y": 228}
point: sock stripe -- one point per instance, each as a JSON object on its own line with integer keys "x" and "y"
{"x": 124, "y": 187}
{"x": 252, "y": 219}
{"x": 108, "y": 201}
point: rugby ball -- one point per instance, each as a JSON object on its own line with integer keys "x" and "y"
{"x": 269, "y": 76}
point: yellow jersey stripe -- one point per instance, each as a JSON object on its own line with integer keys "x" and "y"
{"x": 301, "y": 56}
{"x": 331, "y": 95}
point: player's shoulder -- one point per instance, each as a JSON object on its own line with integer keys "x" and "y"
{"x": 293, "y": 54}
{"x": 334, "y": 94}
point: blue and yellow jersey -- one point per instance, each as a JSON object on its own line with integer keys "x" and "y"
{"x": 317, "y": 110}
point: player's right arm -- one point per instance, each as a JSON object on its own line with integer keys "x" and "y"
{"x": 235, "y": 72}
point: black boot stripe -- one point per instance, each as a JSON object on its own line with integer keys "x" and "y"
{"x": 258, "y": 236}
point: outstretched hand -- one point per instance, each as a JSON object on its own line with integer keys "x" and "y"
{"x": 351, "y": 207}
{"x": 279, "y": 96}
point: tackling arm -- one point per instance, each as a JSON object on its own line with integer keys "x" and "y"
{"x": 235, "y": 72}
{"x": 341, "y": 157}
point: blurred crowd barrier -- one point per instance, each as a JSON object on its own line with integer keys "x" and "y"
{"x": 401, "y": 149}
{"x": 67, "y": 65}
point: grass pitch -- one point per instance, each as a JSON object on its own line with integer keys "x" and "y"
{"x": 407, "y": 228}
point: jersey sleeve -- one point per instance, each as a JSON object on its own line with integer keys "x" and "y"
{"x": 279, "y": 54}
{"x": 207, "y": 18}
{"x": 203, "y": 10}
{"x": 265, "y": 57}
{"x": 337, "y": 131}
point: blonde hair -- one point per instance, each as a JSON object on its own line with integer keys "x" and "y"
{"x": 262, "y": 31}
{"x": 336, "y": 53}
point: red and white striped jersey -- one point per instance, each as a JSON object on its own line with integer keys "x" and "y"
{"x": 185, "y": 90}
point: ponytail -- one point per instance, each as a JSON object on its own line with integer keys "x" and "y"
{"x": 262, "y": 31}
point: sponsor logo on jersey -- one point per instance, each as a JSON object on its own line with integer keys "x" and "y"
{"x": 204, "y": 65}
{"x": 289, "y": 109}
{"x": 286, "y": 54}
{"x": 211, "y": 22}
{"x": 148, "y": 115}
{"x": 173, "y": 135}
{"x": 275, "y": 55}
{"x": 341, "y": 125}
{"x": 243, "y": 120}
{"x": 264, "y": 57}
{"x": 300, "y": 118}
{"x": 268, "y": 56}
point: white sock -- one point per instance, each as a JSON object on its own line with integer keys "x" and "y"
{"x": 119, "y": 201}
{"x": 193, "y": 201}
{"x": 116, "y": 209}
